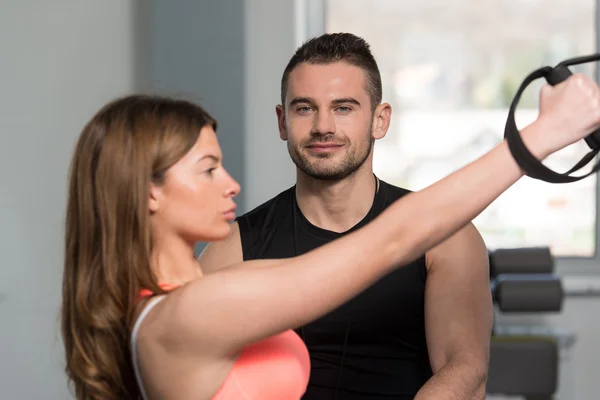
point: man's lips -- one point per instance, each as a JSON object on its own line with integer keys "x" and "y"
{"x": 321, "y": 145}
{"x": 324, "y": 147}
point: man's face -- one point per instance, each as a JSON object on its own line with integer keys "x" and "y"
{"x": 327, "y": 120}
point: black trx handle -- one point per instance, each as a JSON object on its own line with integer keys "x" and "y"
{"x": 531, "y": 165}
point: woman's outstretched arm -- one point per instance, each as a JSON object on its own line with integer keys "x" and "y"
{"x": 224, "y": 311}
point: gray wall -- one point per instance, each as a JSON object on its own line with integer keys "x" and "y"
{"x": 66, "y": 60}
{"x": 268, "y": 169}
{"x": 61, "y": 61}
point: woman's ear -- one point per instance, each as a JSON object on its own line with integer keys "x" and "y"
{"x": 154, "y": 198}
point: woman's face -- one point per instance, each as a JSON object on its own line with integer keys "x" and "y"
{"x": 196, "y": 199}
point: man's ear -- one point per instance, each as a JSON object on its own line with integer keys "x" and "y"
{"x": 381, "y": 120}
{"x": 280, "y": 111}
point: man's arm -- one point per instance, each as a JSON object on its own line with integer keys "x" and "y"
{"x": 458, "y": 317}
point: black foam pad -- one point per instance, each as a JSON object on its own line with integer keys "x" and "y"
{"x": 525, "y": 366}
{"x": 529, "y": 293}
{"x": 532, "y": 260}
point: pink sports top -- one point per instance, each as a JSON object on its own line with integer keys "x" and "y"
{"x": 276, "y": 368}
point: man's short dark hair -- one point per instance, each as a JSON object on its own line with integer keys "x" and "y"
{"x": 336, "y": 47}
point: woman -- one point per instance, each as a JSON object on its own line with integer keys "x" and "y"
{"x": 147, "y": 183}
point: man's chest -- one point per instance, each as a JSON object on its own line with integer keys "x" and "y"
{"x": 392, "y": 306}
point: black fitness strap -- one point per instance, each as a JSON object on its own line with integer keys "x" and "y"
{"x": 531, "y": 165}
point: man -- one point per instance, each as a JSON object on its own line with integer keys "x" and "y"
{"x": 423, "y": 331}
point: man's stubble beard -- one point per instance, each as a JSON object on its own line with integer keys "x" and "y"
{"x": 348, "y": 165}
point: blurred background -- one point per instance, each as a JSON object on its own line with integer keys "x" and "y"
{"x": 450, "y": 71}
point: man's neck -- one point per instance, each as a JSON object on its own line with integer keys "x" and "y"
{"x": 336, "y": 205}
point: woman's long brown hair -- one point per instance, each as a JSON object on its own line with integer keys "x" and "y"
{"x": 129, "y": 144}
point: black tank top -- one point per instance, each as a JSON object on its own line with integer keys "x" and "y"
{"x": 372, "y": 347}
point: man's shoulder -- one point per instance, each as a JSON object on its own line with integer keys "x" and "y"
{"x": 267, "y": 212}
{"x": 391, "y": 192}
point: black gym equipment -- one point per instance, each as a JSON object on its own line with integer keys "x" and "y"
{"x": 524, "y": 362}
